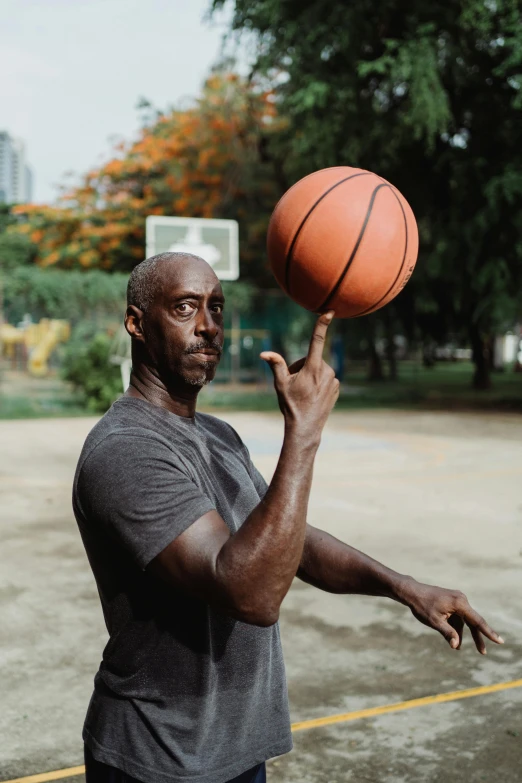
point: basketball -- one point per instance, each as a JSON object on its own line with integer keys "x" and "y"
{"x": 342, "y": 239}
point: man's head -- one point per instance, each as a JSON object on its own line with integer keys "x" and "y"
{"x": 175, "y": 318}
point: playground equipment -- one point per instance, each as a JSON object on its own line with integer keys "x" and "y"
{"x": 33, "y": 344}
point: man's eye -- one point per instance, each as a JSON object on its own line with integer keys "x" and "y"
{"x": 218, "y": 308}
{"x": 184, "y": 307}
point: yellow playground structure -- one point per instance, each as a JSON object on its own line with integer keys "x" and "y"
{"x": 33, "y": 343}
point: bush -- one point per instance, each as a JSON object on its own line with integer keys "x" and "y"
{"x": 85, "y": 364}
{"x": 16, "y": 250}
{"x": 59, "y": 293}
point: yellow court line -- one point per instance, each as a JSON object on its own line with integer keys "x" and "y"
{"x": 58, "y": 774}
{"x": 439, "y": 698}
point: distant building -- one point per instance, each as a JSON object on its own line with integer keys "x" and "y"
{"x": 6, "y": 167}
{"x": 28, "y": 176}
{"x": 16, "y": 179}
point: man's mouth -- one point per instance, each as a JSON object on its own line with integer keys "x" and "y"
{"x": 208, "y": 353}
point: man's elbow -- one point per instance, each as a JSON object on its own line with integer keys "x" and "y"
{"x": 251, "y": 605}
{"x": 263, "y": 615}
{"x": 261, "y": 619}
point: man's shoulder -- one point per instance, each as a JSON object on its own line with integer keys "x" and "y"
{"x": 116, "y": 431}
{"x": 219, "y": 427}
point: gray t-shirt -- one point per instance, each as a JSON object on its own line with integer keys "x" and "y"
{"x": 183, "y": 693}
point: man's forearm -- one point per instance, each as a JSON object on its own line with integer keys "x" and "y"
{"x": 335, "y": 567}
{"x": 261, "y": 559}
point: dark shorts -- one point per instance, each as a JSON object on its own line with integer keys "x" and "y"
{"x": 96, "y": 772}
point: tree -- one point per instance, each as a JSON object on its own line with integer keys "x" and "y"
{"x": 16, "y": 250}
{"x": 429, "y": 96}
{"x": 203, "y": 161}
{"x": 90, "y": 295}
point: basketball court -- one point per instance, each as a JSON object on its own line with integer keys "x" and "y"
{"x": 433, "y": 495}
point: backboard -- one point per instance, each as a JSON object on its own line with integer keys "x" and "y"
{"x": 214, "y": 240}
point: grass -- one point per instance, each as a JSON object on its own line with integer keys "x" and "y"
{"x": 445, "y": 387}
{"x": 28, "y": 408}
{"x": 23, "y": 397}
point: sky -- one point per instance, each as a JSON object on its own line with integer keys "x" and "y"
{"x": 72, "y": 72}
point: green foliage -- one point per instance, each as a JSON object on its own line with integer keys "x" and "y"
{"x": 93, "y": 296}
{"x": 55, "y": 293}
{"x": 6, "y": 218}
{"x": 16, "y": 250}
{"x": 85, "y": 364}
{"x": 411, "y": 68}
{"x": 430, "y": 97}
{"x": 239, "y": 295}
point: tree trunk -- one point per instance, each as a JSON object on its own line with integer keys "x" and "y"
{"x": 375, "y": 372}
{"x": 490, "y": 353}
{"x": 392, "y": 360}
{"x": 428, "y": 356}
{"x": 390, "y": 350}
{"x": 480, "y": 354}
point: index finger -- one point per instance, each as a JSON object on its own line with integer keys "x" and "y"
{"x": 315, "y": 352}
{"x": 474, "y": 620}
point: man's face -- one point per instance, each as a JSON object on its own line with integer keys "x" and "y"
{"x": 183, "y": 327}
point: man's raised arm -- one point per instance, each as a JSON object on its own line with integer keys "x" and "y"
{"x": 248, "y": 574}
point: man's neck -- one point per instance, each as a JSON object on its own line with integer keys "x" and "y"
{"x": 145, "y": 385}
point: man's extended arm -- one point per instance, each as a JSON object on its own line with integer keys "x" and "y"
{"x": 335, "y": 567}
{"x": 331, "y": 565}
{"x": 248, "y": 574}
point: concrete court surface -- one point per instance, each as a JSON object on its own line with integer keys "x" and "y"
{"x": 438, "y": 496}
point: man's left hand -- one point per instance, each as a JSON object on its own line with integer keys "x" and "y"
{"x": 447, "y": 611}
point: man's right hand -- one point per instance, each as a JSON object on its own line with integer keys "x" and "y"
{"x": 308, "y": 389}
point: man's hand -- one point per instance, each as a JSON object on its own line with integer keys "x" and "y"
{"x": 308, "y": 389}
{"x": 447, "y": 611}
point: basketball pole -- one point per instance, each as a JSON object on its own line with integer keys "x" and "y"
{"x": 235, "y": 347}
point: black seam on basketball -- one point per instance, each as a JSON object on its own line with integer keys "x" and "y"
{"x": 294, "y": 240}
{"x": 390, "y": 289}
{"x": 355, "y": 249}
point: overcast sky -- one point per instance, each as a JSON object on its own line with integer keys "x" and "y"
{"x": 71, "y": 72}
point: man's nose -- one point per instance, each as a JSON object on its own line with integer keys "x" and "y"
{"x": 206, "y": 323}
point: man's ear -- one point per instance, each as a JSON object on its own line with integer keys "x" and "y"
{"x": 134, "y": 323}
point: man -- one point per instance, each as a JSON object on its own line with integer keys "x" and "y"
{"x": 193, "y": 553}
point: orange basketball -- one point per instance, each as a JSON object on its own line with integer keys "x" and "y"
{"x": 342, "y": 239}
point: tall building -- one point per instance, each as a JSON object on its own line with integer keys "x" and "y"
{"x": 19, "y": 171}
{"x": 6, "y": 167}
{"x": 15, "y": 175}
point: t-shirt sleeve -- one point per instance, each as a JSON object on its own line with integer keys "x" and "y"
{"x": 259, "y": 482}
{"x": 257, "y": 479}
{"x": 137, "y": 490}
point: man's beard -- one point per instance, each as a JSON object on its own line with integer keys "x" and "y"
{"x": 203, "y": 378}
{"x": 208, "y": 369}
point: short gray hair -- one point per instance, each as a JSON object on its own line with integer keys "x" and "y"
{"x": 141, "y": 287}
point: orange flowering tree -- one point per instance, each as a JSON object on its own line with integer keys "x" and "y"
{"x": 205, "y": 161}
